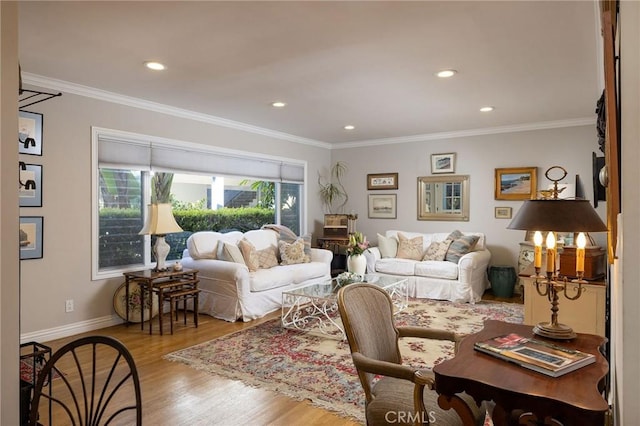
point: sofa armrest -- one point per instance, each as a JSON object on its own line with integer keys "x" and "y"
{"x": 473, "y": 263}
{"x": 321, "y": 255}
{"x": 372, "y": 254}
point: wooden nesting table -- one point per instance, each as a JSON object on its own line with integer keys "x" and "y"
{"x": 168, "y": 285}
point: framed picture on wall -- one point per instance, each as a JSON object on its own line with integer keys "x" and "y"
{"x": 31, "y": 237}
{"x": 30, "y": 185}
{"x": 382, "y": 206}
{"x": 30, "y": 133}
{"x": 443, "y": 163}
{"x": 502, "y": 212}
{"x": 519, "y": 183}
{"x": 382, "y": 181}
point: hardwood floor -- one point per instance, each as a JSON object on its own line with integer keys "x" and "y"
{"x": 175, "y": 394}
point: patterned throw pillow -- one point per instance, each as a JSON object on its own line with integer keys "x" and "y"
{"x": 409, "y": 248}
{"x": 256, "y": 259}
{"x": 437, "y": 250}
{"x": 388, "y": 246}
{"x": 293, "y": 253}
{"x": 460, "y": 247}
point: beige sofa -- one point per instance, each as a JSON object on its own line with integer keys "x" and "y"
{"x": 230, "y": 290}
{"x": 461, "y": 279}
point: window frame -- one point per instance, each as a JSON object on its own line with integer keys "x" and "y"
{"x": 98, "y": 133}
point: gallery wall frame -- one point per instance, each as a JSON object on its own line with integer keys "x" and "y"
{"x": 517, "y": 183}
{"x": 443, "y": 163}
{"x": 382, "y": 181}
{"x": 382, "y": 206}
{"x": 31, "y": 237}
{"x": 30, "y": 133}
{"x": 502, "y": 212}
{"x": 30, "y": 185}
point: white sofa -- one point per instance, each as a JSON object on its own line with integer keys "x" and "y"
{"x": 229, "y": 291}
{"x": 464, "y": 281}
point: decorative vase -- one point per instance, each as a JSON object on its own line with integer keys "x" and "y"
{"x": 357, "y": 264}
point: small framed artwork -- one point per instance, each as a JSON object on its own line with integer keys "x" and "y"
{"x": 443, "y": 163}
{"x": 31, "y": 237}
{"x": 30, "y": 133}
{"x": 382, "y": 181}
{"x": 30, "y": 185}
{"x": 382, "y": 206}
{"x": 518, "y": 183}
{"x": 503, "y": 212}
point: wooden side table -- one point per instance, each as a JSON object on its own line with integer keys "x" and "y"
{"x": 338, "y": 246}
{"x": 151, "y": 281}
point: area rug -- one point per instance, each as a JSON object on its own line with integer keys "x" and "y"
{"x": 304, "y": 366}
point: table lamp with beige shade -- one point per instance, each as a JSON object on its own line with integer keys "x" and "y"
{"x": 160, "y": 222}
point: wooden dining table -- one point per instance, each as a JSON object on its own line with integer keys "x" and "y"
{"x": 575, "y": 398}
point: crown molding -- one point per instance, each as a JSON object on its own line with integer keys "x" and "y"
{"x": 526, "y": 127}
{"x": 106, "y": 96}
{"x": 103, "y": 95}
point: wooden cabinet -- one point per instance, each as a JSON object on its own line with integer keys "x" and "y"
{"x": 585, "y": 314}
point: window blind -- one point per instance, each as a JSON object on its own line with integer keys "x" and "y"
{"x": 115, "y": 151}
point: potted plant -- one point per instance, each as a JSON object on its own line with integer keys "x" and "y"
{"x": 332, "y": 191}
{"x": 356, "y": 262}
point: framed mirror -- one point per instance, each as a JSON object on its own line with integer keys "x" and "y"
{"x": 443, "y": 198}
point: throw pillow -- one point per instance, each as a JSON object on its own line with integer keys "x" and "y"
{"x": 455, "y": 235}
{"x": 437, "y": 250}
{"x": 409, "y": 248}
{"x": 388, "y": 246}
{"x": 293, "y": 253}
{"x": 257, "y": 259}
{"x": 460, "y": 247}
{"x": 232, "y": 253}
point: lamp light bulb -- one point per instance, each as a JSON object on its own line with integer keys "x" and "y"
{"x": 551, "y": 240}
{"x": 537, "y": 238}
{"x": 581, "y": 241}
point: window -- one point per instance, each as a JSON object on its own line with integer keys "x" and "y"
{"x": 203, "y": 179}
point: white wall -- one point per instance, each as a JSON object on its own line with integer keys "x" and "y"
{"x": 64, "y": 272}
{"x": 9, "y": 264}
{"x": 629, "y": 371}
{"x": 478, "y": 157}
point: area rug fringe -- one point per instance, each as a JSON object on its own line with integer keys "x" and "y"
{"x": 306, "y": 367}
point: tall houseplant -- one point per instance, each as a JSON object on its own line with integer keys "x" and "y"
{"x": 332, "y": 191}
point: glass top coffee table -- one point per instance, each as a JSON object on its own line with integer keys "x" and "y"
{"x": 314, "y": 308}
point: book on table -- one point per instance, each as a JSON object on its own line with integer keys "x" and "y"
{"x": 541, "y": 356}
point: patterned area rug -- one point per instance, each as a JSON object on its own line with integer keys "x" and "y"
{"x": 319, "y": 369}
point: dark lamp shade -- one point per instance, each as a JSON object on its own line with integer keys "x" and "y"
{"x": 558, "y": 216}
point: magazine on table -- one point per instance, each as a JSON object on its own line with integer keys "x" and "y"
{"x": 537, "y": 355}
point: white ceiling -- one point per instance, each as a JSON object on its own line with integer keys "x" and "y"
{"x": 370, "y": 64}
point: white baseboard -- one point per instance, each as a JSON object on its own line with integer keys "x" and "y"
{"x": 70, "y": 329}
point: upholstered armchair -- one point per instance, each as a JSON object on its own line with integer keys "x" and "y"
{"x": 404, "y": 394}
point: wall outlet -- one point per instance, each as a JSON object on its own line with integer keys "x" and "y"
{"x": 68, "y": 306}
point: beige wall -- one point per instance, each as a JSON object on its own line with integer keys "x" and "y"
{"x": 65, "y": 270}
{"x": 478, "y": 157}
{"x": 9, "y": 272}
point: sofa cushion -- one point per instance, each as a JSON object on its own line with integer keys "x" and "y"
{"x": 409, "y": 248}
{"x": 203, "y": 245}
{"x": 287, "y": 235}
{"x": 437, "y": 250}
{"x": 262, "y": 238}
{"x": 285, "y": 275}
{"x": 396, "y": 266}
{"x": 460, "y": 247}
{"x": 388, "y": 246}
{"x": 437, "y": 269}
{"x": 293, "y": 253}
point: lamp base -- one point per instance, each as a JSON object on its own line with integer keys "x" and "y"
{"x": 554, "y": 331}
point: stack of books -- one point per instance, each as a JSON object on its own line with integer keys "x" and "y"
{"x": 537, "y": 355}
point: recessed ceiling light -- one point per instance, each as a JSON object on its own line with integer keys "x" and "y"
{"x": 156, "y": 66}
{"x": 446, "y": 73}
{"x": 278, "y": 104}
{"x": 349, "y": 127}
{"x": 487, "y": 109}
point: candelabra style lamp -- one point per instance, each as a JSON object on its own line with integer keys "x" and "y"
{"x": 553, "y": 215}
{"x": 160, "y": 222}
